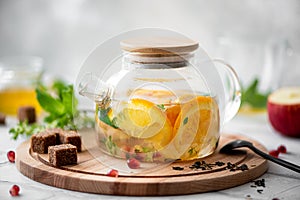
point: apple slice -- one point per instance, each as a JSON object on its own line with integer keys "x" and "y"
{"x": 284, "y": 110}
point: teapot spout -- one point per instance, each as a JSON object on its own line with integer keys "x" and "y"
{"x": 96, "y": 90}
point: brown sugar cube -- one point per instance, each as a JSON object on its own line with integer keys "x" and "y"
{"x": 2, "y": 119}
{"x": 63, "y": 154}
{"x": 41, "y": 141}
{"x": 70, "y": 137}
{"x": 57, "y": 132}
{"x": 27, "y": 113}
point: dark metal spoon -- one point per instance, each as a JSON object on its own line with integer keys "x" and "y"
{"x": 228, "y": 148}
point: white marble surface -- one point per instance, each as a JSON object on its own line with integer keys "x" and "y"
{"x": 281, "y": 183}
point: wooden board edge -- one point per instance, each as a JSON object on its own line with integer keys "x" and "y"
{"x": 39, "y": 172}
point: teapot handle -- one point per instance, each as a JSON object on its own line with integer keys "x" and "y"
{"x": 232, "y": 89}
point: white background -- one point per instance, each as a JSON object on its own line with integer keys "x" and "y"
{"x": 63, "y": 32}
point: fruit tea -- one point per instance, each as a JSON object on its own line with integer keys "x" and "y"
{"x": 155, "y": 127}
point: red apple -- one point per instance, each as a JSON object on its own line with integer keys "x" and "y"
{"x": 284, "y": 110}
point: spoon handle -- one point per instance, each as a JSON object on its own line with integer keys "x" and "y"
{"x": 283, "y": 163}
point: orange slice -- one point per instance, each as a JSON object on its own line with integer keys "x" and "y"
{"x": 153, "y": 93}
{"x": 172, "y": 113}
{"x": 157, "y": 142}
{"x": 140, "y": 122}
{"x": 191, "y": 128}
{"x": 117, "y": 135}
{"x": 142, "y": 119}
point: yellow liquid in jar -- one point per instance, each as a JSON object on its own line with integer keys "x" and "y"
{"x": 11, "y": 99}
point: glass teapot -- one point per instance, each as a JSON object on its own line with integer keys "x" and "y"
{"x": 164, "y": 100}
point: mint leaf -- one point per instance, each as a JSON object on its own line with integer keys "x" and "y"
{"x": 258, "y": 100}
{"x": 58, "y": 86}
{"x": 103, "y": 116}
{"x": 49, "y": 103}
{"x": 250, "y": 91}
{"x": 253, "y": 97}
{"x": 61, "y": 109}
{"x": 50, "y": 118}
{"x": 68, "y": 99}
{"x": 185, "y": 121}
{"x": 161, "y": 106}
{"x": 191, "y": 151}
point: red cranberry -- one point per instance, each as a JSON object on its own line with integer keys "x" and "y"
{"x": 156, "y": 155}
{"x": 126, "y": 148}
{"x": 274, "y": 153}
{"x": 140, "y": 156}
{"x": 11, "y": 156}
{"x": 14, "y": 190}
{"x": 133, "y": 163}
{"x": 281, "y": 149}
{"x": 113, "y": 173}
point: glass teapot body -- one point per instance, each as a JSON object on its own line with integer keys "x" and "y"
{"x": 159, "y": 111}
{"x": 160, "y": 105}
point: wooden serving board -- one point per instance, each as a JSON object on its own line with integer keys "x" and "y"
{"x": 89, "y": 175}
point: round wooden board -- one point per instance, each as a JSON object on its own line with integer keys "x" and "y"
{"x": 89, "y": 175}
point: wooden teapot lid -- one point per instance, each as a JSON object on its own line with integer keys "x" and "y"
{"x": 159, "y": 50}
{"x": 159, "y": 46}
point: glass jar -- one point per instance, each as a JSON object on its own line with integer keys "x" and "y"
{"x": 18, "y": 78}
{"x": 159, "y": 106}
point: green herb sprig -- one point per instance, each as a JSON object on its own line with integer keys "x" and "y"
{"x": 60, "y": 105}
{"x": 161, "y": 106}
{"x": 252, "y": 97}
{"x": 103, "y": 116}
{"x": 23, "y": 128}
